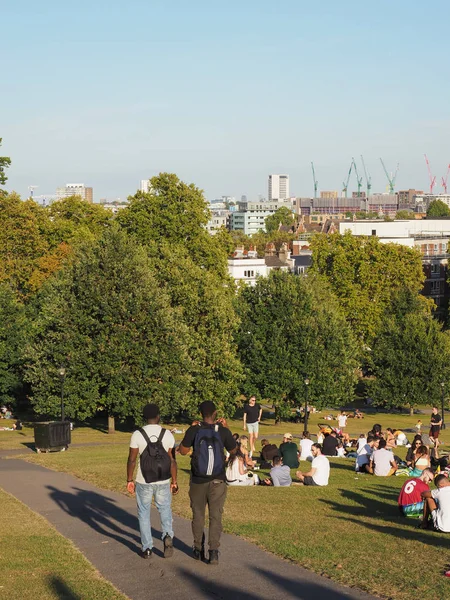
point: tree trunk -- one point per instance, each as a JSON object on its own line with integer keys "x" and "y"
{"x": 111, "y": 424}
{"x": 411, "y": 411}
{"x": 277, "y": 415}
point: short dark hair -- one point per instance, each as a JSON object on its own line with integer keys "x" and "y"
{"x": 151, "y": 411}
{"x": 207, "y": 408}
{"x": 276, "y": 460}
{"x": 439, "y": 478}
{"x": 370, "y": 438}
{"x": 306, "y": 435}
{"x": 382, "y": 443}
{"x": 264, "y": 442}
{"x": 316, "y": 445}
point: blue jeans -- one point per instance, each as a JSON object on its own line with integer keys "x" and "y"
{"x": 163, "y": 501}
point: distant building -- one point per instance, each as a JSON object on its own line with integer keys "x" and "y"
{"x": 328, "y": 195}
{"x": 278, "y": 187}
{"x": 406, "y": 198}
{"x": 423, "y": 201}
{"x": 383, "y": 204}
{"x": 145, "y": 186}
{"x": 75, "y": 189}
{"x": 250, "y": 216}
{"x": 219, "y": 218}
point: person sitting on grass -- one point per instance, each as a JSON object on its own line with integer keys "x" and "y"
{"x": 305, "y": 446}
{"x": 358, "y": 414}
{"x": 364, "y": 454}
{"x": 280, "y": 475}
{"x": 268, "y": 451}
{"x": 362, "y": 441}
{"x": 410, "y": 501}
{"x": 437, "y": 505}
{"x": 390, "y": 438}
{"x": 289, "y": 451}
{"x": 319, "y": 473}
{"x": 243, "y": 446}
{"x": 237, "y": 473}
{"x": 330, "y": 444}
{"x": 416, "y": 443}
{"x": 382, "y": 462}
{"x": 421, "y": 461}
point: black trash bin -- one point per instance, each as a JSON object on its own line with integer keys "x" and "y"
{"x": 52, "y": 437}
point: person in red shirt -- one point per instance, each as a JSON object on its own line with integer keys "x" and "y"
{"x": 410, "y": 501}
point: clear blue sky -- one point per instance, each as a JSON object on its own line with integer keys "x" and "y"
{"x": 222, "y": 93}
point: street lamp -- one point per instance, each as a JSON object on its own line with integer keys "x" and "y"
{"x": 62, "y": 376}
{"x": 442, "y": 405}
{"x": 305, "y": 428}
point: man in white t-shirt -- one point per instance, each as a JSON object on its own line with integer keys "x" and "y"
{"x": 160, "y": 489}
{"x": 319, "y": 473}
{"x": 364, "y": 454}
{"x": 342, "y": 420}
{"x": 382, "y": 462}
{"x": 437, "y": 504}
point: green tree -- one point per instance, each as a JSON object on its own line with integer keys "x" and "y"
{"x": 404, "y": 214}
{"x": 293, "y": 329}
{"x": 364, "y": 274}
{"x": 104, "y": 317}
{"x": 13, "y": 336}
{"x": 410, "y": 356}
{"x": 437, "y": 208}
{"x": 5, "y": 162}
{"x": 282, "y": 215}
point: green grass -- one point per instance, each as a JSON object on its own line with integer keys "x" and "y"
{"x": 350, "y": 531}
{"x": 38, "y": 562}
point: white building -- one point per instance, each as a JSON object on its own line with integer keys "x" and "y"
{"x": 75, "y": 189}
{"x": 247, "y": 269}
{"x": 250, "y": 216}
{"x": 145, "y": 186}
{"x": 278, "y": 187}
{"x": 218, "y": 219}
{"x": 400, "y": 229}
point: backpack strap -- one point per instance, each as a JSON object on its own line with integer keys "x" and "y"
{"x": 161, "y": 435}
{"x": 144, "y": 435}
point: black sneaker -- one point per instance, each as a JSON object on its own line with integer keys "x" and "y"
{"x": 198, "y": 553}
{"x": 168, "y": 546}
{"x": 213, "y": 557}
{"x": 146, "y": 553}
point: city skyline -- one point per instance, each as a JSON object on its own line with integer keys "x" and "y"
{"x": 114, "y": 96}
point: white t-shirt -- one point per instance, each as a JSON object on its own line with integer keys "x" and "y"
{"x": 305, "y": 449}
{"x": 442, "y": 515}
{"x": 138, "y": 441}
{"x": 363, "y": 458}
{"x": 342, "y": 420}
{"x": 382, "y": 459}
{"x": 322, "y": 466}
{"x": 361, "y": 443}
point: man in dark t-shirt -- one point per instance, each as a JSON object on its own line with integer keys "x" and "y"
{"x": 436, "y": 422}
{"x": 330, "y": 444}
{"x": 252, "y": 417}
{"x": 289, "y": 451}
{"x": 207, "y": 489}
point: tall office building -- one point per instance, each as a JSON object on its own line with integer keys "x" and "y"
{"x": 145, "y": 185}
{"x": 278, "y": 187}
{"x": 75, "y": 189}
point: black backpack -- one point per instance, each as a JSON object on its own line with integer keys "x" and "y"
{"x": 155, "y": 461}
{"x": 208, "y": 457}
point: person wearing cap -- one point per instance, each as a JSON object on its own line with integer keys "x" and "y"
{"x": 161, "y": 491}
{"x": 289, "y": 451}
{"x": 410, "y": 501}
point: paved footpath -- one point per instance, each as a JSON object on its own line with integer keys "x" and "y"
{"x": 103, "y": 525}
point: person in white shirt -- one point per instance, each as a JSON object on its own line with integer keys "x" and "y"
{"x": 305, "y": 446}
{"x": 382, "y": 462}
{"x": 160, "y": 489}
{"x": 362, "y": 441}
{"x": 364, "y": 455}
{"x": 319, "y": 473}
{"x": 437, "y": 504}
{"x": 342, "y": 420}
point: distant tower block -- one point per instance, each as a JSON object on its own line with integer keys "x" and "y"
{"x": 278, "y": 187}
{"x": 145, "y": 186}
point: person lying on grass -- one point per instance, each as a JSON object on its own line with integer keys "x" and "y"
{"x": 280, "y": 475}
{"x": 437, "y": 505}
{"x": 319, "y": 473}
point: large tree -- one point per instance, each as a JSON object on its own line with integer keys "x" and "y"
{"x": 410, "y": 356}
{"x": 292, "y": 330}
{"x": 437, "y": 208}
{"x": 365, "y": 274}
{"x": 281, "y": 216}
{"x": 104, "y": 317}
{"x": 5, "y": 162}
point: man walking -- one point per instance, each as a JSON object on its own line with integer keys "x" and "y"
{"x": 207, "y": 487}
{"x": 252, "y": 417}
{"x": 155, "y": 447}
{"x": 435, "y": 424}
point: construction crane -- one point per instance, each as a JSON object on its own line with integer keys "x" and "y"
{"x": 444, "y": 180}
{"x": 31, "y": 189}
{"x": 316, "y": 183}
{"x": 345, "y": 183}
{"x": 358, "y": 179}
{"x": 391, "y": 179}
{"x": 430, "y": 175}
{"x": 368, "y": 178}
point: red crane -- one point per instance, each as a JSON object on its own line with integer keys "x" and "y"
{"x": 444, "y": 180}
{"x": 432, "y": 177}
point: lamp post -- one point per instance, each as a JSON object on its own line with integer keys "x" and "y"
{"x": 62, "y": 376}
{"x": 442, "y": 405}
{"x": 305, "y": 428}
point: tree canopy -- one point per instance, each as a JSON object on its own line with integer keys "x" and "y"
{"x": 5, "y": 162}
{"x": 282, "y": 215}
{"x": 293, "y": 329}
{"x": 404, "y": 214}
{"x": 437, "y": 208}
